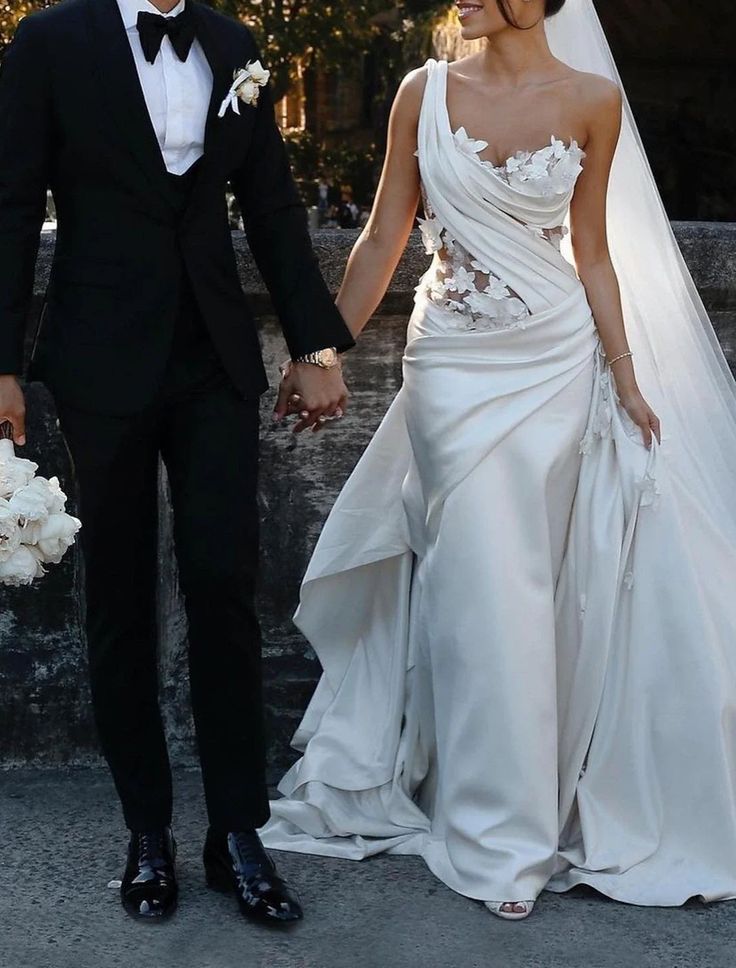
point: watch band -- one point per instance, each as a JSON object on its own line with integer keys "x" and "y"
{"x": 307, "y": 358}
{"x": 317, "y": 358}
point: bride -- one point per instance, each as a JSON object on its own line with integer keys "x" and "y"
{"x": 519, "y": 600}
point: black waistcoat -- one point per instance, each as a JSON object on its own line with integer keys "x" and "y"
{"x": 190, "y": 327}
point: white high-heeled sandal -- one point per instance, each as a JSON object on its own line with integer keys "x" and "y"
{"x": 495, "y": 908}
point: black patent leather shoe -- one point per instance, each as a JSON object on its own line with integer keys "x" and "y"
{"x": 238, "y": 864}
{"x": 149, "y": 891}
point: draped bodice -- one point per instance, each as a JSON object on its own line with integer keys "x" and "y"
{"x": 495, "y": 230}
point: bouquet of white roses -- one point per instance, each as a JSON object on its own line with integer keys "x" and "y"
{"x": 35, "y": 529}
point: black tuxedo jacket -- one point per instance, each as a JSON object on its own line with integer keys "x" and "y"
{"x": 73, "y": 117}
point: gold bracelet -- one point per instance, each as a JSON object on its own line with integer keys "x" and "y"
{"x": 623, "y": 356}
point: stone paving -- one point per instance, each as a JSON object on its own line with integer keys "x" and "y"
{"x": 62, "y": 842}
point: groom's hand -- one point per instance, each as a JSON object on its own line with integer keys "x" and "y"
{"x": 316, "y": 394}
{"x": 13, "y": 407}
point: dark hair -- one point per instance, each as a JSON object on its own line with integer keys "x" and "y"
{"x": 551, "y": 7}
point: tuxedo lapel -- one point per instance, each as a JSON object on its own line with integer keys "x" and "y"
{"x": 222, "y": 74}
{"x": 217, "y": 129}
{"x": 129, "y": 122}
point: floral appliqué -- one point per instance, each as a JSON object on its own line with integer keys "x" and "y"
{"x": 552, "y": 170}
{"x": 458, "y": 281}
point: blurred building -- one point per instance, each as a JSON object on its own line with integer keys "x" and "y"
{"x": 330, "y": 104}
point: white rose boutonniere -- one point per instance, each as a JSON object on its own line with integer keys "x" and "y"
{"x": 246, "y": 87}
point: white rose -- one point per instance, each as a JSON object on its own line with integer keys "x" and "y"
{"x": 55, "y": 497}
{"x": 258, "y": 73}
{"x": 55, "y": 536}
{"x": 10, "y": 534}
{"x": 29, "y": 533}
{"x": 15, "y": 471}
{"x": 47, "y": 491}
{"x": 21, "y": 568}
{"x": 248, "y": 92}
{"x": 31, "y": 509}
{"x": 30, "y": 505}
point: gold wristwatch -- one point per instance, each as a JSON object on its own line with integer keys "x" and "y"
{"x": 327, "y": 359}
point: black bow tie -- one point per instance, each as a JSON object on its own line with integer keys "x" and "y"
{"x": 152, "y": 29}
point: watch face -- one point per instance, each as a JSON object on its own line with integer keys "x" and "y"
{"x": 327, "y": 357}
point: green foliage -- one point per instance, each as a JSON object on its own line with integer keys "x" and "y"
{"x": 318, "y": 33}
{"x": 342, "y": 164}
{"x": 423, "y": 8}
{"x": 332, "y": 34}
{"x": 12, "y": 12}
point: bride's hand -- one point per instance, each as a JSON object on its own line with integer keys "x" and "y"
{"x": 642, "y": 414}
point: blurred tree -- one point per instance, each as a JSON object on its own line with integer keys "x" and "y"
{"x": 330, "y": 34}
{"x": 12, "y": 12}
{"x": 341, "y": 163}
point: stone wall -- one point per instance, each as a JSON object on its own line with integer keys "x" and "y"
{"x": 44, "y": 702}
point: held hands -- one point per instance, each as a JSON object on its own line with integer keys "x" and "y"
{"x": 13, "y": 407}
{"x": 317, "y": 395}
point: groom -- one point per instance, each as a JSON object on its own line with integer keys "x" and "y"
{"x": 149, "y": 348}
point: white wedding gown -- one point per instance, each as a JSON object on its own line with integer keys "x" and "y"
{"x": 529, "y": 654}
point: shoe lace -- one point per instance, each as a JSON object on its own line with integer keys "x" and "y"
{"x": 151, "y": 848}
{"x": 252, "y": 854}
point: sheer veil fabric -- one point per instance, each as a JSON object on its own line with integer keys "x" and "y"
{"x": 679, "y": 361}
{"x": 528, "y": 644}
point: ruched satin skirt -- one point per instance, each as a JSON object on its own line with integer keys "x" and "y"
{"x": 474, "y": 599}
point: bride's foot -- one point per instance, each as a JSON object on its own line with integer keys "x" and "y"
{"x": 511, "y": 910}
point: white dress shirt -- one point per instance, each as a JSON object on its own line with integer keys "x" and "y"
{"x": 177, "y": 92}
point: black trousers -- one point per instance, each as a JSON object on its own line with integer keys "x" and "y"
{"x": 207, "y": 435}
